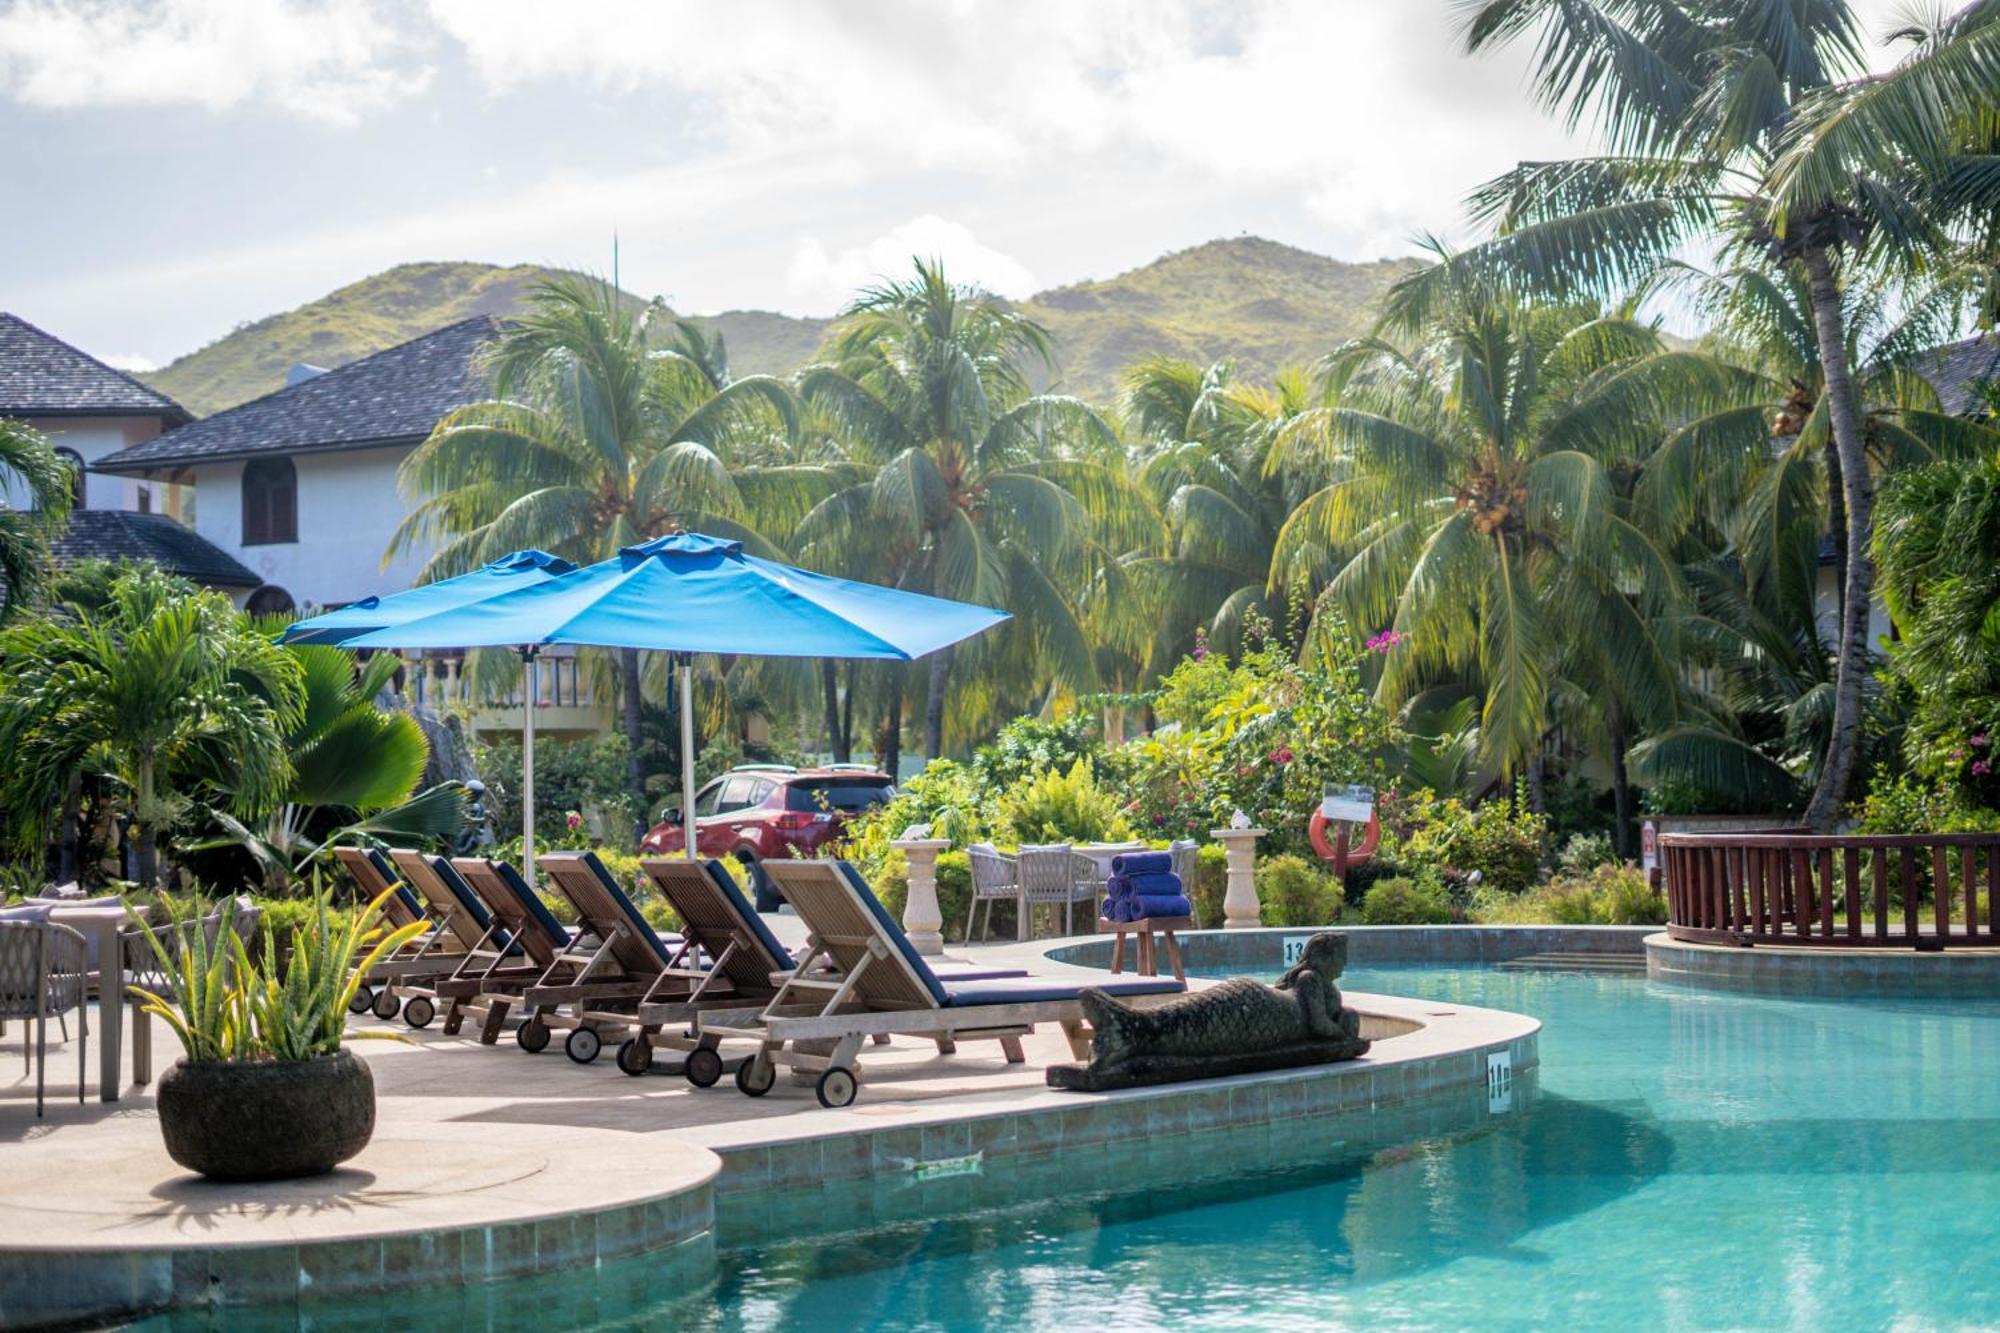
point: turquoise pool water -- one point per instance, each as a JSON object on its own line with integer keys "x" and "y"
{"x": 1690, "y": 1160}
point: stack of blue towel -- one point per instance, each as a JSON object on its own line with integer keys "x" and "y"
{"x": 1143, "y": 884}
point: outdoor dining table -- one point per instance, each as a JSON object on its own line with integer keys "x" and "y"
{"x": 104, "y": 921}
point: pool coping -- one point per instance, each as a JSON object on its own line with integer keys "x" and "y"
{"x": 1805, "y": 971}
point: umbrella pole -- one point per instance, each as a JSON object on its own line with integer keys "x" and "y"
{"x": 686, "y": 664}
{"x": 528, "y": 766}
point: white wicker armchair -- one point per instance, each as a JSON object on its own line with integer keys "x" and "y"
{"x": 44, "y": 973}
{"x": 994, "y": 879}
{"x": 1055, "y": 876}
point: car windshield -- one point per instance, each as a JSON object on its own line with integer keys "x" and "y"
{"x": 847, "y": 795}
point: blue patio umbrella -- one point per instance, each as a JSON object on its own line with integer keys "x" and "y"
{"x": 372, "y": 615}
{"x": 691, "y": 593}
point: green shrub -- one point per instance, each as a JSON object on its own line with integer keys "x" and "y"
{"x": 1061, "y": 807}
{"x": 1501, "y": 842}
{"x": 1029, "y": 745}
{"x": 1405, "y": 902}
{"x": 1606, "y": 895}
{"x": 1627, "y": 899}
{"x": 559, "y": 907}
{"x": 1585, "y": 851}
{"x": 1211, "y": 882}
{"x": 1293, "y": 891}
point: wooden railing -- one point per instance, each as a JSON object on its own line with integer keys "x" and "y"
{"x": 1796, "y": 889}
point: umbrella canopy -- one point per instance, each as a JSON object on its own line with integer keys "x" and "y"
{"x": 692, "y": 593}
{"x": 522, "y": 569}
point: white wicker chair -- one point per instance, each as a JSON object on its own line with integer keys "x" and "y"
{"x": 1185, "y": 853}
{"x": 44, "y": 973}
{"x": 994, "y": 878}
{"x": 1055, "y": 876}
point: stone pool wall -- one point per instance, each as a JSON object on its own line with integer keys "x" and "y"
{"x": 1790, "y": 970}
{"x": 1264, "y": 949}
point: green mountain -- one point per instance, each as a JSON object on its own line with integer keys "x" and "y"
{"x": 1258, "y": 303}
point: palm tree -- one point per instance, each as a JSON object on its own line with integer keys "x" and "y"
{"x": 977, "y": 489}
{"x": 1208, "y": 445}
{"x": 593, "y": 442}
{"x": 168, "y": 689}
{"x": 28, "y": 463}
{"x": 1477, "y": 508}
{"x": 1735, "y": 123}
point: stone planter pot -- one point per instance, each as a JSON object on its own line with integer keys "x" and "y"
{"x": 269, "y": 1120}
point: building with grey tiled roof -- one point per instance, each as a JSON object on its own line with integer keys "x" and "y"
{"x": 299, "y": 486}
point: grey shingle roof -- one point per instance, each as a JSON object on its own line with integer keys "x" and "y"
{"x": 117, "y": 534}
{"x": 1959, "y": 370}
{"x": 43, "y": 376}
{"x": 392, "y": 397}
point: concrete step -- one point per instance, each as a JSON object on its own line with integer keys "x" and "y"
{"x": 1575, "y": 962}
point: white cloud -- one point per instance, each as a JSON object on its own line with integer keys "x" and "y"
{"x": 819, "y": 280}
{"x": 331, "y": 63}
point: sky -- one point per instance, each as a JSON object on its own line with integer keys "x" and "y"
{"x": 184, "y": 166}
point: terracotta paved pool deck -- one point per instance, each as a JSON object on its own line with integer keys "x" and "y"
{"x": 488, "y": 1162}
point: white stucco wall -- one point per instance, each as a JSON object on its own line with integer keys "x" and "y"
{"x": 348, "y": 509}
{"x": 93, "y": 438}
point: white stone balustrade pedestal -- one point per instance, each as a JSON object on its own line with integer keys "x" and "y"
{"x": 1239, "y": 900}
{"x": 923, "y": 921}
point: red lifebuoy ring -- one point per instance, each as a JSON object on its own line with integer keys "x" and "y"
{"x": 1338, "y": 854}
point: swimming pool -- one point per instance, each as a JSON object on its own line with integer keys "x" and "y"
{"x": 1682, "y": 1159}
{"x": 1690, "y": 1160}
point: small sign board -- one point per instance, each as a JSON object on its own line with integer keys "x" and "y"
{"x": 1649, "y": 846}
{"x": 1295, "y": 948}
{"x": 1350, "y": 803}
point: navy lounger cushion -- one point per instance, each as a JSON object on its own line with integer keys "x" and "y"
{"x": 532, "y": 904}
{"x": 741, "y": 906}
{"x": 1028, "y": 990}
{"x": 640, "y": 926}
{"x": 387, "y": 871}
{"x": 469, "y": 903}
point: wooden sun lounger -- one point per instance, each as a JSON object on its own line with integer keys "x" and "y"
{"x": 373, "y": 874}
{"x": 616, "y": 963}
{"x": 861, "y": 978}
{"x": 496, "y": 991}
{"x": 474, "y": 942}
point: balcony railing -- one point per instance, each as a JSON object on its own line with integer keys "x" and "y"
{"x": 1796, "y": 889}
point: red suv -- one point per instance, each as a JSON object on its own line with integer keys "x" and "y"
{"x": 761, "y": 810}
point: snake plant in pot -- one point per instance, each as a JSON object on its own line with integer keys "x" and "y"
{"x": 264, "y": 1090}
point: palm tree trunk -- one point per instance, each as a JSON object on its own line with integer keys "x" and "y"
{"x": 1621, "y": 786}
{"x": 1538, "y": 786}
{"x": 847, "y": 714}
{"x": 628, "y": 705}
{"x": 1843, "y": 409}
{"x": 890, "y": 748}
{"x": 1836, "y": 524}
{"x": 70, "y": 839}
{"x": 829, "y": 679}
{"x": 146, "y": 867}
{"x": 934, "y": 705}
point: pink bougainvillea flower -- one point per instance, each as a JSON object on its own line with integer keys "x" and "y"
{"x": 574, "y": 820}
{"x": 1979, "y": 742}
{"x": 1980, "y": 768}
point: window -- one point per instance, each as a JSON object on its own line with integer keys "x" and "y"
{"x": 270, "y": 600}
{"x": 737, "y": 794}
{"x": 270, "y": 502}
{"x": 704, "y": 803}
{"x": 74, "y": 462}
{"x": 847, "y": 795}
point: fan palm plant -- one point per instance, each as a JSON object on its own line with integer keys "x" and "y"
{"x": 1476, "y": 507}
{"x": 351, "y": 762}
{"x": 166, "y": 689}
{"x": 593, "y": 441}
{"x": 1740, "y": 124}
{"x": 976, "y": 488}
{"x": 29, "y": 466}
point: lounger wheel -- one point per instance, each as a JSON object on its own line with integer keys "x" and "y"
{"x": 635, "y": 1055}
{"x": 836, "y": 1088}
{"x": 704, "y": 1067}
{"x": 386, "y": 1004}
{"x": 533, "y": 1036}
{"x": 755, "y": 1077}
{"x": 582, "y": 1045}
{"x": 363, "y": 1001}
{"x": 419, "y": 1012}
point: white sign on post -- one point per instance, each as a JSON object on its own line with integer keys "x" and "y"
{"x": 1350, "y": 803}
{"x": 1649, "y": 846}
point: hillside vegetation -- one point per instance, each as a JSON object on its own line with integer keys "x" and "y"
{"x": 1256, "y": 302}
